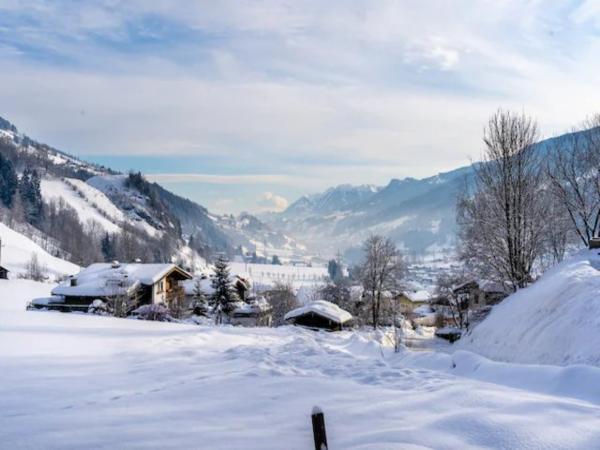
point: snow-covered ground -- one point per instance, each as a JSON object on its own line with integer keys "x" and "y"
{"x": 554, "y": 321}
{"x": 73, "y": 381}
{"x": 17, "y": 252}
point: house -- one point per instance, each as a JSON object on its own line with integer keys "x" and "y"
{"x": 480, "y": 294}
{"x": 408, "y": 301}
{"x": 3, "y": 273}
{"x": 257, "y": 312}
{"x": 319, "y": 314}
{"x": 595, "y": 243}
{"x": 137, "y": 283}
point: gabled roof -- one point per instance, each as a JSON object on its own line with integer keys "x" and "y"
{"x": 4, "y": 268}
{"x": 104, "y": 279}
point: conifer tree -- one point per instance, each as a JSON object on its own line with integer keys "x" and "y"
{"x": 224, "y": 297}
{"x": 8, "y": 182}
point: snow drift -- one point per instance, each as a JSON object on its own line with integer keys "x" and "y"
{"x": 18, "y": 250}
{"x": 554, "y": 321}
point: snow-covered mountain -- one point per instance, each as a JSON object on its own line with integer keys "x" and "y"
{"x": 115, "y": 201}
{"x": 417, "y": 214}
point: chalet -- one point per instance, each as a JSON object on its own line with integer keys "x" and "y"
{"x": 319, "y": 314}
{"x": 481, "y": 294}
{"x": 409, "y": 301}
{"x": 3, "y": 273}
{"x": 139, "y": 283}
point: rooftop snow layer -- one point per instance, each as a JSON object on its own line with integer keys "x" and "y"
{"x": 554, "y": 321}
{"x": 103, "y": 279}
{"x": 321, "y": 308}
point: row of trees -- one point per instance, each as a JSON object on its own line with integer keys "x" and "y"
{"x": 528, "y": 202}
{"x": 22, "y": 194}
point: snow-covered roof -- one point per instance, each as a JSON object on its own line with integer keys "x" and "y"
{"x": 259, "y": 305}
{"x": 104, "y": 279}
{"x": 322, "y": 308}
{"x": 418, "y": 296}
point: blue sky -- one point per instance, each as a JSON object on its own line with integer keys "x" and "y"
{"x": 246, "y": 105}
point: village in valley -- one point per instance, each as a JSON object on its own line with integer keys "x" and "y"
{"x": 279, "y": 225}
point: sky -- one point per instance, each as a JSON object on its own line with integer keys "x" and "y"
{"x": 247, "y": 105}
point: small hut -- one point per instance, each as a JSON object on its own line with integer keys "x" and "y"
{"x": 3, "y": 273}
{"x": 319, "y": 314}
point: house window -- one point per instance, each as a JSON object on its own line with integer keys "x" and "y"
{"x": 161, "y": 286}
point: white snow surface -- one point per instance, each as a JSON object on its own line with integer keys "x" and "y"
{"x": 17, "y": 251}
{"x": 554, "y": 321}
{"x": 53, "y": 189}
{"x": 72, "y": 381}
{"x": 323, "y": 308}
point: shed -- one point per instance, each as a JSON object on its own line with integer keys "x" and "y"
{"x": 319, "y": 314}
{"x": 3, "y": 273}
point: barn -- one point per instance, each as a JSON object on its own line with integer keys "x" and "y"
{"x": 320, "y": 314}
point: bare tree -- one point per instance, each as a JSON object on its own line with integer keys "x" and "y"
{"x": 503, "y": 221}
{"x": 282, "y": 300}
{"x": 381, "y": 271}
{"x": 456, "y": 305}
{"x": 574, "y": 173}
{"x": 35, "y": 270}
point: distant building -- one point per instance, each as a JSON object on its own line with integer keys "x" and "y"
{"x": 256, "y": 313}
{"x": 139, "y": 283}
{"x": 410, "y": 300}
{"x": 3, "y": 273}
{"x": 479, "y": 294}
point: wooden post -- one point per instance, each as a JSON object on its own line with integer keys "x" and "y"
{"x": 318, "y": 424}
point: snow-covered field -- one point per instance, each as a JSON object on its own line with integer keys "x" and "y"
{"x": 17, "y": 251}
{"x": 73, "y": 381}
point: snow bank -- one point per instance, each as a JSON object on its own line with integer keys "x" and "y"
{"x": 554, "y": 321}
{"x": 17, "y": 251}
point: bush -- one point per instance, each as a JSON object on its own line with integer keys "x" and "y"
{"x": 99, "y": 308}
{"x": 158, "y": 313}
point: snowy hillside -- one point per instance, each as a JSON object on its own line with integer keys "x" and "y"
{"x": 554, "y": 321}
{"x": 17, "y": 252}
{"x": 89, "y": 203}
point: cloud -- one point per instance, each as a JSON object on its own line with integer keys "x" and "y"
{"x": 389, "y": 88}
{"x": 217, "y": 179}
{"x": 272, "y": 202}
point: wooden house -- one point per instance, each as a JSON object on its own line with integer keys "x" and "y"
{"x": 480, "y": 294}
{"x": 320, "y": 314}
{"x": 137, "y": 283}
{"x": 3, "y": 273}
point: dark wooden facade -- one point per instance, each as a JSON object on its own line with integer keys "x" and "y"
{"x": 316, "y": 322}
{"x": 3, "y": 273}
